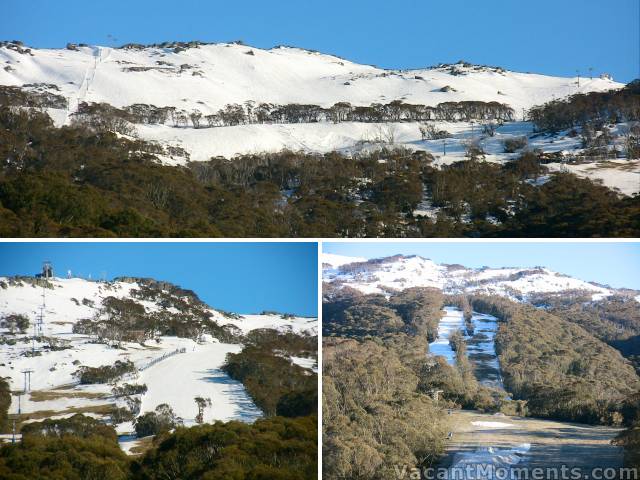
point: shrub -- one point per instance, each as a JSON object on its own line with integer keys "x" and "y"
{"x": 514, "y": 144}
{"x": 105, "y": 373}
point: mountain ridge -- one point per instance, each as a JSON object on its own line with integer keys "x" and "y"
{"x": 399, "y": 272}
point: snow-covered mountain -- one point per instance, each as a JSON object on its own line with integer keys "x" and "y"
{"x": 208, "y": 77}
{"x": 177, "y": 352}
{"x": 401, "y": 272}
{"x": 203, "y": 79}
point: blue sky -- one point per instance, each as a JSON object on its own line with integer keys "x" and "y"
{"x": 237, "y": 277}
{"x": 615, "y": 264}
{"x": 546, "y": 36}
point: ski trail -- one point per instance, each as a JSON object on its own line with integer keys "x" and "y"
{"x": 87, "y": 80}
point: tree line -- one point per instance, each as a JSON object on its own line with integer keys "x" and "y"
{"x": 596, "y": 108}
{"x": 274, "y": 382}
{"x": 103, "y": 115}
{"x": 82, "y": 448}
{"x": 74, "y": 181}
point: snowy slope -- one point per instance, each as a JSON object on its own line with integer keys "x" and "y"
{"x": 330, "y": 260}
{"x": 208, "y": 77}
{"x": 211, "y": 76}
{"x": 402, "y": 272}
{"x": 174, "y": 369}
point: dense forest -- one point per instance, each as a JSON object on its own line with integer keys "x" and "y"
{"x": 555, "y": 363}
{"x": 614, "y": 320}
{"x": 81, "y": 181}
{"x": 378, "y": 383}
{"x": 82, "y": 448}
{"x": 562, "y": 370}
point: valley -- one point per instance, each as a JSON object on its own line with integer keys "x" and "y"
{"x": 505, "y": 376}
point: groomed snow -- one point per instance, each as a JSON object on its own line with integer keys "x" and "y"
{"x": 196, "y": 373}
{"x": 488, "y": 462}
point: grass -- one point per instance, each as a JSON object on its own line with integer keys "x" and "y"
{"x": 44, "y": 395}
{"x": 43, "y": 414}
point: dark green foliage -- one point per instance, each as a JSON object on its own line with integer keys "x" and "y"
{"x": 74, "y": 181}
{"x": 348, "y": 313}
{"x": 127, "y": 320}
{"x": 298, "y": 403}
{"x": 268, "y": 376}
{"x": 285, "y": 342}
{"x": 5, "y": 403}
{"x": 129, "y": 389}
{"x": 77, "y": 425}
{"x": 512, "y": 145}
{"x": 71, "y": 449}
{"x": 630, "y": 438}
{"x": 153, "y": 423}
{"x": 374, "y": 414}
{"x": 104, "y": 373}
{"x": 15, "y": 322}
{"x": 274, "y": 448}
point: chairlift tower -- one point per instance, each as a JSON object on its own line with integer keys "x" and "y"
{"x": 27, "y": 379}
{"x": 47, "y": 273}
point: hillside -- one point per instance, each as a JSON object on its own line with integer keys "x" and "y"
{"x": 199, "y": 101}
{"x": 119, "y": 349}
{"x": 400, "y": 272}
{"x": 216, "y": 75}
{"x": 494, "y": 351}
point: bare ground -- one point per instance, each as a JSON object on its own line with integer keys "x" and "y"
{"x": 552, "y": 443}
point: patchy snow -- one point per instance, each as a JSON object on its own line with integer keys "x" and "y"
{"x": 488, "y": 462}
{"x": 481, "y": 350}
{"x": 300, "y": 325}
{"x": 451, "y": 322}
{"x": 619, "y": 174}
{"x": 390, "y": 274}
{"x": 220, "y": 74}
{"x": 402, "y": 272}
{"x": 493, "y": 424}
{"x": 308, "y": 363}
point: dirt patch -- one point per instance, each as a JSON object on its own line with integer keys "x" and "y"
{"x": 552, "y": 443}
{"x": 44, "y": 395}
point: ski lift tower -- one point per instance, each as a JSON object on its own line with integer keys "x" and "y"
{"x": 47, "y": 273}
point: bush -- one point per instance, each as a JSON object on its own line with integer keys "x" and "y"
{"x": 105, "y": 373}
{"x": 273, "y": 448}
{"x": 15, "y": 322}
{"x": 77, "y": 425}
{"x": 154, "y": 423}
{"x": 514, "y": 144}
